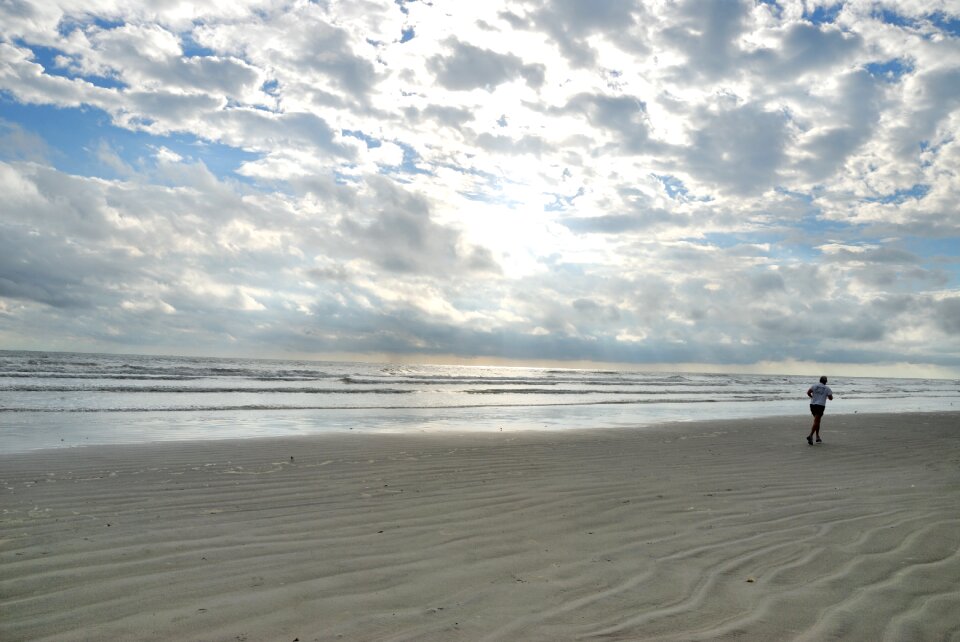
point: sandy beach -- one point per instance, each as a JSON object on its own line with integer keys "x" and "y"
{"x": 700, "y": 531}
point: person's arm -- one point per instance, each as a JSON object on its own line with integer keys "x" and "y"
{"x": 830, "y": 397}
{"x": 810, "y": 392}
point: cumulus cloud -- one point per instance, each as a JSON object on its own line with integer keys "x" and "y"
{"x": 740, "y": 147}
{"x": 469, "y": 67}
{"x": 571, "y": 24}
{"x": 706, "y": 181}
{"x": 393, "y": 229}
{"x": 706, "y": 33}
{"x": 847, "y": 125}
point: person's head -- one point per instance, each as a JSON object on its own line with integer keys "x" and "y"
{"x": 823, "y": 379}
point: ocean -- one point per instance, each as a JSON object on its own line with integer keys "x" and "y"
{"x": 56, "y": 399}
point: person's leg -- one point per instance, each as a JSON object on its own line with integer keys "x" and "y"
{"x": 815, "y": 428}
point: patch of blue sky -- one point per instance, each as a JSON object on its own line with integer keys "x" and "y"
{"x": 106, "y": 23}
{"x": 222, "y": 160}
{"x": 816, "y": 228}
{"x": 370, "y": 141}
{"x": 727, "y": 240}
{"x": 916, "y": 192}
{"x": 75, "y": 136}
{"x": 562, "y": 203}
{"x": 345, "y": 178}
{"x": 70, "y": 24}
{"x": 891, "y": 17}
{"x": 492, "y": 199}
{"x": 271, "y": 87}
{"x": 797, "y": 240}
{"x": 491, "y": 192}
{"x": 946, "y": 24}
{"x": 47, "y": 58}
{"x": 802, "y": 196}
{"x": 403, "y": 5}
{"x": 63, "y": 130}
{"x": 408, "y": 165}
{"x": 481, "y": 197}
{"x": 931, "y": 150}
{"x": 491, "y": 179}
{"x": 678, "y": 191}
{"x": 673, "y": 186}
{"x": 823, "y": 14}
{"x": 800, "y": 243}
{"x": 890, "y": 70}
{"x": 926, "y": 146}
{"x": 781, "y": 246}
{"x": 193, "y": 49}
{"x": 406, "y": 35}
{"x": 925, "y": 246}
{"x": 410, "y": 159}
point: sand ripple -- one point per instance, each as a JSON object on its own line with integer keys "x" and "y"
{"x": 725, "y": 530}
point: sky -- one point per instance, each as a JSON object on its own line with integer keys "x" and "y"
{"x": 710, "y": 184}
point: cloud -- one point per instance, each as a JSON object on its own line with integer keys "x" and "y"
{"x": 740, "y": 148}
{"x": 850, "y": 123}
{"x": 706, "y": 32}
{"x": 34, "y": 271}
{"x": 804, "y": 47}
{"x": 26, "y": 80}
{"x": 936, "y": 97}
{"x": 947, "y": 315}
{"x": 16, "y": 143}
{"x": 470, "y": 67}
{"x": 506, "y": 145}
{"x": 726, "y": 182}
{"x": 393, "y": 230}
{"x": 623, "y": 117}
{"x": 632, "y": 211}
{"x": 870, "y": 255}
{"x": 452, "y": 117}
{"x": 150, "y": 57}
{"x": 304, "y": 46}
{"x": 571, "y": 24}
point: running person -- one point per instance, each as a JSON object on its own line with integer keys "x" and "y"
{"x": 818, "y": 393}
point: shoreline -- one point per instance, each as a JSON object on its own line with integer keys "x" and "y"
{"x": 727, "y": 529}
{"x": 74, "y": 429}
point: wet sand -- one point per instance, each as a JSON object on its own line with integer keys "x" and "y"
{"x": 700, "y": 531}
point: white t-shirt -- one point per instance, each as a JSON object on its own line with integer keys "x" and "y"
{"x": 820, "y": 393}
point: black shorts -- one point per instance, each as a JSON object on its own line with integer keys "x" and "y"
{"x": 817, "y": 410}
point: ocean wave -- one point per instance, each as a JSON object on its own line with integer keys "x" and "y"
{"x": 59, "y": 375}
{"x": 204, "y": 390}
{"x": 63, "y": 382}
{"x": 447, "y": 380}
{"x": 655, "y": 395}
{"x": 254, "y": 407}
